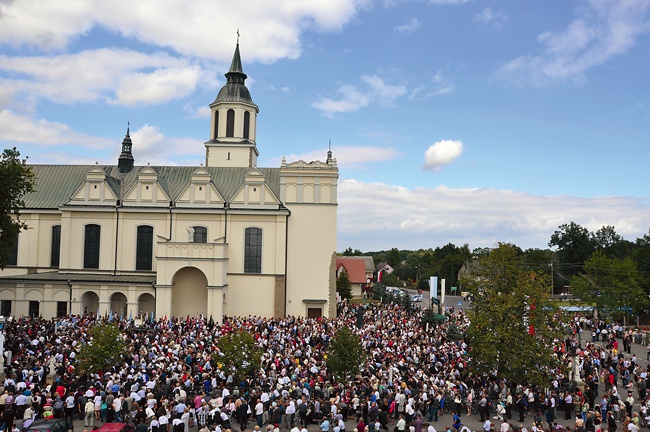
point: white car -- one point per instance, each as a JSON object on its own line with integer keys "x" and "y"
{"x": 416, "y": 298}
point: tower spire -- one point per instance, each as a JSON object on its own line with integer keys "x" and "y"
{"x": 329, "y": 153}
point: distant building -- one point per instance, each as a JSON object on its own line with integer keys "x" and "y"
{"x": 230, "y": 238}
{"x": 355, "y": 267}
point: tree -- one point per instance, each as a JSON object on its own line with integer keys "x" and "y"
{"x": 513, "y": 322}
{"x": 350, "y": 252}
{"x": 575, "y": 245}
{"x": 16, "y": 180}
{"x": 610, "y": 283}
{"x": 237, "y": 354}
{"x": 394, "y": 257}
{"x": 343, "y": 285}
{"x": 345, "y": 355}
{"x": 105, "y": 348}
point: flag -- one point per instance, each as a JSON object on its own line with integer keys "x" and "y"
{"x": 379, "y": 275}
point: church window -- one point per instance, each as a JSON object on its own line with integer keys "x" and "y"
{"x": 228, "y": 155}
{"x": 91, "y": 246}
{"x": 200, "y": 234}
{"x": 247, "y": 124}
{"x": 216, "y": 124}
{"x": 230, "y": 123}
{"x": 55, "y": 250}
{"x": 144, "y": 248}
{"x": 253, "y": 250}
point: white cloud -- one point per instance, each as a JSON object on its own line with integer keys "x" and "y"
{"x": 603, "y": 30}
{"x": 411, "y": 26}
{"x": 354, "y": 99}
{"x": 159, "y": 86}
{"x": 270, "y": 29}
{"x": 440, "y": 85}
{"x": 346, "y": 157}
{"x": 152, "y": 146}
{"x": 375, "y": 216}
{"x": 442, "y": 153}
{"x": 492, "y": 18}
{"x": 17, "y": 128}
{"x": 123, "y": 76}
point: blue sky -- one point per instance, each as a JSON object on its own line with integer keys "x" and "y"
{"x": 451, "y": 120}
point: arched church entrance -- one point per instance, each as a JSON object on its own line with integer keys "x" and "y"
{"x": 89, "y": 302}
{"x": 118, "y": 305}
{"x": 146, "y": 305}
{"x": 189, "y": 293}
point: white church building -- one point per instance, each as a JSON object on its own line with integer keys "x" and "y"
{"x": 228, "y": 238}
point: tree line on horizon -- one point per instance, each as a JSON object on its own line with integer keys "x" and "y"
{"x": 597, "y": 266}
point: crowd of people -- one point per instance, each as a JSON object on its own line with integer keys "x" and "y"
{"x": 415, "y": 378}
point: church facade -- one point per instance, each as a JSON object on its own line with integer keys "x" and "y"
{"x": 225, "y": 239}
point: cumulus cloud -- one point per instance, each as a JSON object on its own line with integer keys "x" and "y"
{"x": 352, "y": 99}
{"x": 346, "y": 157}
{"x": 490, "y": 17}
{"x": 411, "y": 26}
{"x": 18, "y": 128}
{"x": 604, "y": 29}
{"x": 442, "y": 153}
{"x": 152, "y": 146}
{"x": 118, "y": 75}
{"x": 271, "y": 29}
{"x": 376, "y": 216}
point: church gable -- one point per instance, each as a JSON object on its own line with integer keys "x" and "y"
{"x": 200, "y": 191}
{"x": 96, "y": 189}
{"x": 147, "y": 190}
{"x": 255, "y": 192}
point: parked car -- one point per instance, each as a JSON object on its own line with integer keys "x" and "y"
{"x": 56, "y": 425}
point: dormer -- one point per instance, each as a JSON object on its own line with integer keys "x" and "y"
{"x": 200, "y": 192}
{"x": 147, "y": 190}
{"x": 254, "y": 192}
{"x": 98, "y": 188}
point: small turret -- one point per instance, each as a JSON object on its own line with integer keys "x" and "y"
{"x": 125, "y": 161}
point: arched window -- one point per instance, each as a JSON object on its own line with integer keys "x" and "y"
{"x": 55, "y": 251}
{"x": 91, "y": 246}
{"x": 144, "y": 248}
{"x": 216, "y": 124}
{"x": 247, "y": 124}
{"x": 253, "y": 250}
{"x": 230, "y": 123}
{"x": 200, "y": 234}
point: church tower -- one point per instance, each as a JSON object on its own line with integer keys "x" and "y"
{"x": 233, "y": 122}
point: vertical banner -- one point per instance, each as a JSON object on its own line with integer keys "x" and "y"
{"x": 442, "y": 292}
{"x": 433, "y": 287}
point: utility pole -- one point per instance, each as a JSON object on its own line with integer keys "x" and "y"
{"x": 552, "y": 279}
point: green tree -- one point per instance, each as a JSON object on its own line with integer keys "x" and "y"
{"x": 237, "y": 354}
{"x": 16, "y": 180}
{"x": 350, "y": 252}
{"x": 394, "y": 257}
{"x": 105, "y": 348}
{"x": 511, "y": 302}
{"x": 575, "y": 244}
{"x": 611, "y": 284}
{"x": 343, "y": 285}
{"x": 345, "y": 355}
